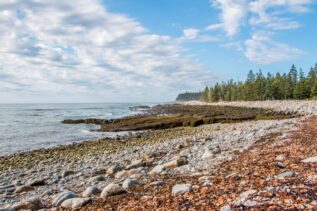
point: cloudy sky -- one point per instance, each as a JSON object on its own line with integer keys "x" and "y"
{"x": 145, "y": 50}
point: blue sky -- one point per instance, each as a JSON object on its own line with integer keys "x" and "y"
{"x": 144, "y": 50}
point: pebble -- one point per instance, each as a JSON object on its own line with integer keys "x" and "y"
{"x": 136, "y": 164}
{"x": 285, "y": 174}
{"x": 111, "y": 190}
{"x": 310, "y": 160}
{"x": 180, "y": 189}
{"x": 280, "y": 158}
{"x": 226, "y": 208}
{"x": 90, "y": 191}
{"x": 29, "y": 204}
{"x": 98, "y": 178}
{"x": 75, "y": 203}
{"x": 59, "y": 198}
{"x": 157, "y": 169}
{"x": 24, "y": 188}
{"x": 114, "y": 169}
{"x": 39, "y": 182}
{"x": 280, "y": 165}
{"x": 128, "y": 183}
{"x": 67, "y": 173}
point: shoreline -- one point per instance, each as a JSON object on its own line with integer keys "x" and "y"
{"x": 92, "y": 159}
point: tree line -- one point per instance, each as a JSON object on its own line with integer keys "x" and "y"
{"x": 292, "y": 85}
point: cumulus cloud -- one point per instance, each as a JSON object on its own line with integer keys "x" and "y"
{"x": 231, "y": 15}
{"x": 64, "y": 48}
{"x": 259, "y": 15}
{"x": 262, "y": 49}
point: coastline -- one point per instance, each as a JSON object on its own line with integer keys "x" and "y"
{"x": 91, "y": 159}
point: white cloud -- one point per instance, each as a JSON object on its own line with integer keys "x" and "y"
{"x": 232, "y": 14}
{"x": 262, "y": 49}
{"x": 191, "y": 33}
{"x": 63, "y": 48}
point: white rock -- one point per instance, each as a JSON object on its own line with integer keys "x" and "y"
{"x": 29, "y": 204}
{"x": 285, "y": 174}
{"x": 280, "y": 158}
{"x": 226, "y": 208}
{"x": 310, "y": 160}
{"x": 90, "y": 191}
{"x": 128, "y": 183}
{"x": 111, "y": 190}
{"x": 114, "y": 169}
{"x": 247, "y": 193}
{"x": 135, "y": 164}
{"x": 180, "y": 189}
{"x": 157, "y": 169}
{"x": 59, "y": 198}
{"x": 75, "y": 203}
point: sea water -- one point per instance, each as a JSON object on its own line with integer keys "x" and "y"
{"x": 25, "y": 127}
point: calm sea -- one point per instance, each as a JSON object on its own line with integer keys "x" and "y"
{"x": 25, "y": 127}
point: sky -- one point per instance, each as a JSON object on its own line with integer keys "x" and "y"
{"x": 145, "y": 50}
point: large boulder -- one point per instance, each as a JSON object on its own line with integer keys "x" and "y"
{"x": 111, "y": 190}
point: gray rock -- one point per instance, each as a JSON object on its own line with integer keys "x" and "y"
{"x": 180, "y": 189}
{"x": 310, "y": 160}
{"x": 59, "y": 198}
{"x": 114, "y": 169}
{"x": 98, "y": 178}
{"x": 157, "y": 169}
{"x": 280, "y": 165}
{"x": 136, "y": 164}
{"x": 208, "y": 154}
{"x": 38, "y": 182}
{"x": 280, "y": 158}
{"x": 246, "y": 194}
{"x": 24, "y": 188}
{"x": 67, "y": 173}
{"x": 128, "y": 183}
{"x": 29, "y": 204}
{"x": 111, "y": 190}
{"x": 285, "y": 174}
{"x": 75, "y": 203}
{"x": 90, "y": 191}
{"x": 157, "y": 183}
{"x": 226, "y": 208}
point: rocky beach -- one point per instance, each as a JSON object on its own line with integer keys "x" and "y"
{"x": 189, "y": 156}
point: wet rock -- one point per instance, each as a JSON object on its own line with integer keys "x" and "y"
{"x": 90, "y": 191}
{"x": 180, "y": 189}
{"x": 29, "y": 204}
{"x": 128, "y": 183}
{"x": 24, "y": 188}
{"x": 285, "y": 174}
{"x": 111, "y": 190}
{"x": 310, "y": 160}
{"x": 59, "y": 198}
{"x": 75, "y": 203}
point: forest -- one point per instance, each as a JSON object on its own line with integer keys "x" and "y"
{"x": 294, "y": 84}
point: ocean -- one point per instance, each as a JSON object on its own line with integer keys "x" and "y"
{"x": 25, "y": 127}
